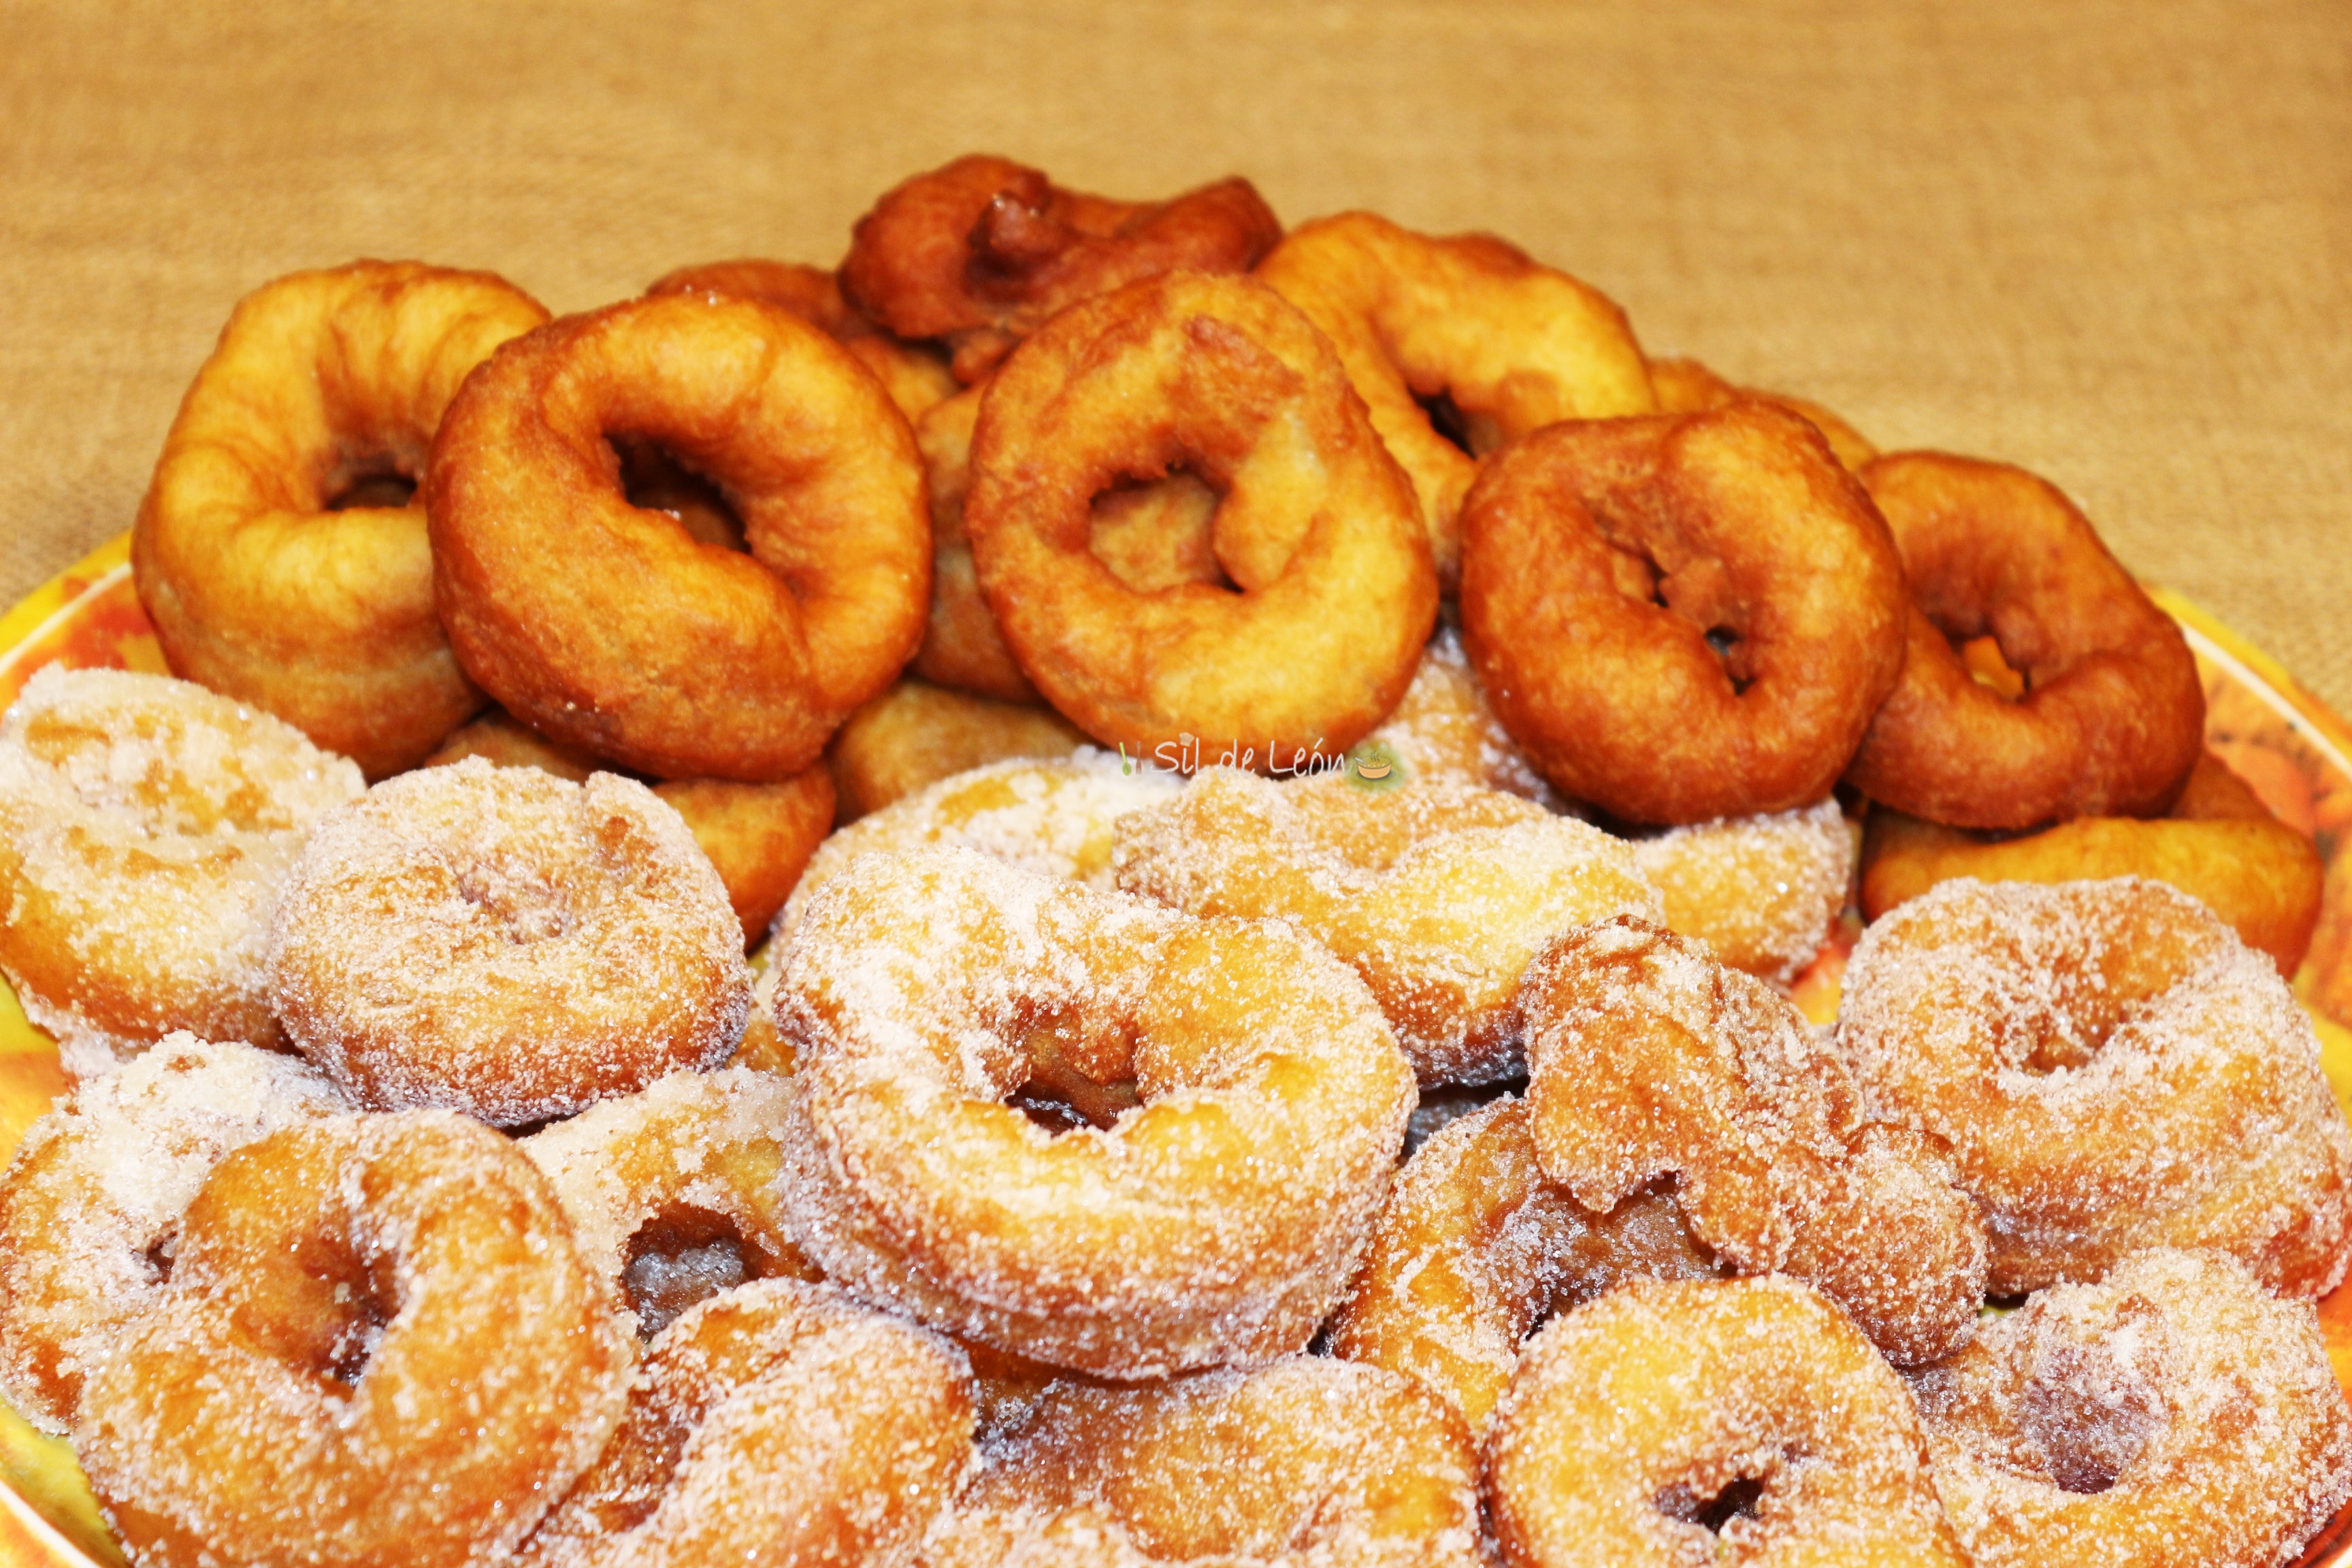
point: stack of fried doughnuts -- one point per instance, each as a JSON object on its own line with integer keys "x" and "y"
{"x": 2112, "y": 1069}
{"x": 1233, "y": 1101}
{"x": 147, "y": 826}
{"x": 278, "y": 551}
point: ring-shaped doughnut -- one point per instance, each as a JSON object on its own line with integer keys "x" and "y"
{"x": 2113, "y": 1069}
{"x": 610, "y": 627}
{"x": 2113, "y": 716}
{"x": 355, "y": 1305}
{"x": 1605, "y": 562}
{"x": 263, "y": 580}
{"x": 1230, "y": 1103}
{"x": 1514, "y": 345}
{"x": 1317, "y": 525}
{"x": 1632, "y": 1418}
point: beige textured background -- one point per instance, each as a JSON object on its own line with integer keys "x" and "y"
{"x": 2109, "y": 240}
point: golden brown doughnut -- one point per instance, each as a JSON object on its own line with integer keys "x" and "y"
{"x": 506, "y": 943}
{"x": 146, "y": 829}
{"x": 2113, "y": 1069}
{"x": 778, "y": 1423}
{"x": 1511, "y": 344}
{"x": 1476, "y": 1248}
{"x": 2219, "y": 843}
{"x": 356, "y": 1304}
{"x": 2173, "y": 1415}
{"x": 915, "y": 734}
{"x": 1437, "y": 894}
{"x": 1306, "y": 1463}
{"x": 610, "y": 627}
{"x": 89, "y": 1210}
{"x": 2112, "y": 717}
{"x": 1648, "y": 1059}
{"x": 1636, "y": 1423}
{"x": 1230, "y": 1105}
{"x": 276, "y": 551}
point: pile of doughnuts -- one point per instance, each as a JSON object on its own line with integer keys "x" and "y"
{"x": 1288, "y": 797}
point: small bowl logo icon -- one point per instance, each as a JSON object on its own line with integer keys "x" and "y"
{"x": 1373, "y": 765}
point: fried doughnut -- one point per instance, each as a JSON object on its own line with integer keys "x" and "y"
{"x": 1761, "y": 891}
{"x": 1637, "y": 1424}
{"x": 506, "y": 943}
{"x": 2113, "y": 716}
{"x": 758, "y": 838}
{"x": 776, "y": 1424}
{"x": 980, "y": 251}
{"x": 1234, "y": 1104}
{"x": 1051, "y": 817}
{"x": 278, "y": 551}
{"x": 1687, "y": 386}
{"x": 1476, "y": 1248}
{"x": 1149, "y": 535}
{"x": 915, "y": 734}
{"x": 1307, "y": 1463}
{"x": 1315, "y": 525}
{"x": 1437, "y": 894}
{"x": 146, "y": 828}
{"x": 915, "y": 378}
{"x": 356, "y": 1306}
{"x": 610, "y": 628}
{"x": 90, "y": 1211}
{"x": 2173, "y": 1415}
{"x": 2113, "y": 1069}
{"x": 1510, "y": 344}
{"x": 1602, "y": 562}
{"x": 1646, "y": 1059}
{"x": 2219, "y": 843}
{"x": 672, "y": 1190}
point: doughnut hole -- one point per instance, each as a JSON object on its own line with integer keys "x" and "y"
{"x": 684, "y": 1255}
{"x": 2089, "y": 1406}
{"x": 1738, "y": 1499}
{"x": 654, "y": 479}
{"x": 1156, "y": 534}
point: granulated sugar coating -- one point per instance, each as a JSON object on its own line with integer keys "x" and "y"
{"x": 672, "y": 1191}
{"x": 146, "y": 826}
{"x": 506, "y": 943}
{"x": 1226, "y": 1106}
{"x": 1761, "y": 891}
{"x": 1436, "y": 893}
{"x": 1637, "y": 1422}
{"x": 2175, "y": 1415}
{"x": 1475, "y": 1248}
{"x": 89, "y": 1210}
{"x": 779, "y": 1423}
{"x": 380, "y": 1344}
{"x": 1051, "y": 817}
{"x": 2113, "y": 1069}
{"x": 1647, "y": 1059}
{"x": 1307, "y": 1463}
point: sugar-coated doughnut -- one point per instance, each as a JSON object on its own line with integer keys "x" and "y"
{"x": 357, "y": 1305}
{"x": 1438, "y": 894}
{"x": 1307, "y": 1463}
{"x": 915, "y": 734}
{"x": 779, "y": 1423}
{"x": 2113, "y": 1069}
{"x": 89, "y": 1210}
{"x": 672, "y": 1191}
{"x": 1761, "y": 891}
{"x": 146, "y": 829}
{"x": 610, "y": 626}
{"x": 1637, "y": 1423}
{"x": 505, "y": 942}
{"x": 1052, "y": 818}
{"x": 1218, "y": 1108}
{"x": 2175, "y": 1415}
{"x": 1646, "y": 1059}
{"x": 1510, "y": 344}
{"x": 278, "y": 551}
{"x": 1476, "y": 1248}
{"x": 1333, "y": 591}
